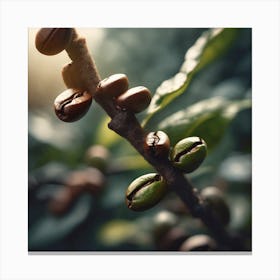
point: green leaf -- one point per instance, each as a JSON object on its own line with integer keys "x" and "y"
{"x": 50, "y": 229}
{"x": 211, "y": 45}
{"x": 207, "y": 119}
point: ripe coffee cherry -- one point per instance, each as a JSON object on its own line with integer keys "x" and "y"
{"x": 135, "y": 100}
{"x": 71, "y": 105}
{"x": 51, "y": 41}
{"x": 145, "y": 192}
{"x": 113, "y": 86}
{"x": 157, "y": 143}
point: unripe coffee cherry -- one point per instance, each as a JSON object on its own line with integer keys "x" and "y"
{"x": 135, "y": 100}
{"x": 157, "y": 143}
{"x": 199, "y": 242}
{"x": 51, "y": 41}
{"x": 189, "y": 153}
{"x": 215, "y": 201}
{"x": 113, "y": 86}
{"x": 145, "y": 192}
{"x": 71, "y": 105}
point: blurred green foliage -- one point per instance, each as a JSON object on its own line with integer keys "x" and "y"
{"x": 214, "y": 104}
{"x": 208, "y": 47}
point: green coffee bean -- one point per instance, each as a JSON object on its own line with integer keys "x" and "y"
{"x": 189, "y": 153}
{"x": 145, "y": 192}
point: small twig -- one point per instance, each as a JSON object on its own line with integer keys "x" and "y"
{"x": 87, "y": 71}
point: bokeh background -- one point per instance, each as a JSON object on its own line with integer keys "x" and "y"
{"x": 102, "y": 222}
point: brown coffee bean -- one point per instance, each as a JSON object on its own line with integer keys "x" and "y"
{"x": 157, "y": 143}
{"x": 136, "y": 99}
{"x": 113, "y": 86}
{"x": 51, "y": 41}
{"x": 72, "y": 104}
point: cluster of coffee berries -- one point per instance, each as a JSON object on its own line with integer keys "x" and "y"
{"x": 73, "y": 103}
{"x": 172, "y": 232}
{"x": 187, "y": 155}
{"x": 89, "y": 180}
{"x": 169, "y": 234}
{"x": 116, "y": 88}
